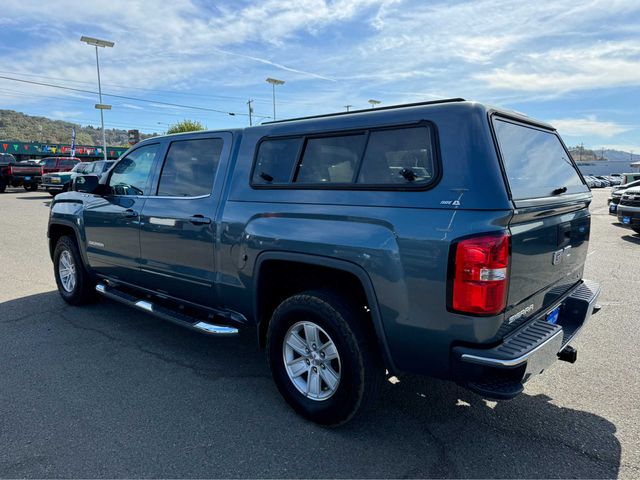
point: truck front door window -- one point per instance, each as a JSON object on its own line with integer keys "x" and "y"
{"x": 132, "y": 172}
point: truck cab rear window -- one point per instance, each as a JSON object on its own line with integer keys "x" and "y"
{"x": 402, "y": 157}
{"x": 536, "y": 163}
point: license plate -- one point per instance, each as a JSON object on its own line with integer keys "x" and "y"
{"x": 552, "y": 317}
{"x": 626, "y": 220}
{"x": 55, "y": 180}
{"x": 613, "y": 208}
{"x": 27, "y": 178}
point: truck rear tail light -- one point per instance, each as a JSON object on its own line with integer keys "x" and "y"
{"x": 480, "y": 274}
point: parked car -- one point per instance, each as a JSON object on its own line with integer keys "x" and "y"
{"x": 18, "y": 174}
{"x": 55, "y": 183}
{"x": 616, "y": 196}
{"x": 614, "y": 180}
{"x": 630, "y": 177}
{"x": 58, "y": 164}
{"x": 629, "y": 209}
{"x": 411, "y": 238}
{"x": 593, "y": 182}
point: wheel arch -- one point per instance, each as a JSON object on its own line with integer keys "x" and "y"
{"x": 262, "y": 311}
{"x": 60, "y": 228}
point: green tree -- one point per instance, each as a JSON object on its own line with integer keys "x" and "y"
{"x": 185, "y": 126}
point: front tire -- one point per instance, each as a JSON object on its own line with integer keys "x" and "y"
{"x": 75, "y": 284}
{"x": 322, "y": 358}
{"x": 3, "y": 185}
{"x": 636, "y": 229}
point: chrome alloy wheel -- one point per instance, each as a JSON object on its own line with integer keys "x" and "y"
{"x": 67, "y": 271}
{"x": 311, "y": 360}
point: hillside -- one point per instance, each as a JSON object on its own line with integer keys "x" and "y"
{"x": 586, "y": 155}
{"x": 16, "y": 126}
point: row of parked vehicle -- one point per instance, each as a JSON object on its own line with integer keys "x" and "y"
{"x": 601, "y": 181}
{"x": 624, "y": 203}
{"x": 54, "y": 174}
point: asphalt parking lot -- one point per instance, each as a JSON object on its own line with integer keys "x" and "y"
{"x": 106, "y": 391}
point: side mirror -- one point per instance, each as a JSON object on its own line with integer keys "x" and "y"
{"x": 86, "y": 183}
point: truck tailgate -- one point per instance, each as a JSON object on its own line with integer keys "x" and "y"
{"x": 551, "y": 221}
{"x": 548, "y": 251}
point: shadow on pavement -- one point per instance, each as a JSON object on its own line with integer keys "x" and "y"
{"x": 632, "y": 238}
{"x": 38, "y": 197}
{"x": 106, "y": 391}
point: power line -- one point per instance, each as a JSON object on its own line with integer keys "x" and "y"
{"x": 158, "y": 102}
{"x": 113, "y": 85}
{"x": 83, "y": 101}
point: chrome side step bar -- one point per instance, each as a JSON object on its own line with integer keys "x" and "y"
{"x": 165, "y": 313}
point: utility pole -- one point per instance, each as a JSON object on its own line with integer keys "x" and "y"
{"x": 581, "y": 149}
{"x": 250, "y": 112}
{"x": 348, "y": 107}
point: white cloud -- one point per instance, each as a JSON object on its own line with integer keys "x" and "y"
{"x": 506, "y": 52}
{"x": 588, "y": 126}
{"x": 608, "y": 64}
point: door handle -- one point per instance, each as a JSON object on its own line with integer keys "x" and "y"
{"x": 129, "y": 213}
{"x": 200, "y": 220}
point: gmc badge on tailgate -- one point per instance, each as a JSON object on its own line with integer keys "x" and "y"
{"x": 560, "y": 254}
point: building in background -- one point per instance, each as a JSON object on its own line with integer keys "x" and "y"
{"x": 34, "y": 150}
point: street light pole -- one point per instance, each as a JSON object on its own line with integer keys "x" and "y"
{"x": 104, "y": 135}
{"x": 100, "y": 106}
{"x": 274, "y": 82}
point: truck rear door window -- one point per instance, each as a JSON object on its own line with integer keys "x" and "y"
{"x": 535, "y": 161}
{"x": 190, "y": 167}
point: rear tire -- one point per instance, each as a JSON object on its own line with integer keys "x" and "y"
{"x": 3, "y": 186}
{"x": 33, "y": 187}
{"x": 326, "y": 376}
{"x": 75, "y": 284}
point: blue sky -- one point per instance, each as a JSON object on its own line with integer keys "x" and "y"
{"x": 573, "y": 63}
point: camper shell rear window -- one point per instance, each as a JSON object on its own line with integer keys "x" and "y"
{"x": 535, "y": 161}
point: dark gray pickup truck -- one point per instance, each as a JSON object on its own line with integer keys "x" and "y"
{"x": 444, "y": 238}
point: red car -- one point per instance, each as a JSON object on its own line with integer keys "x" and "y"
{"x": 58, "y": 164}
